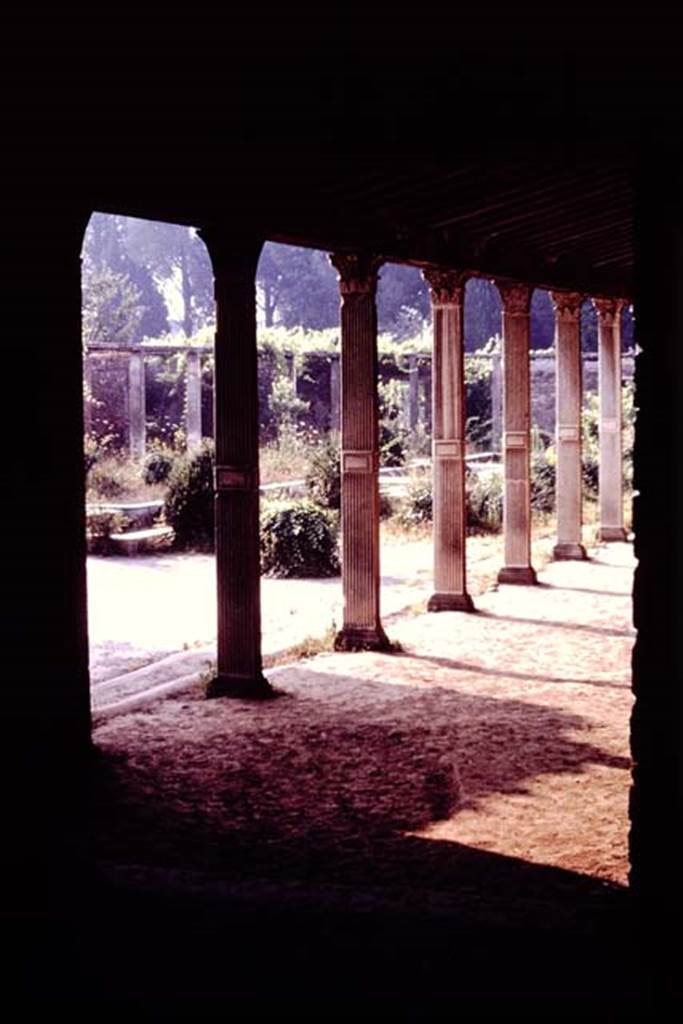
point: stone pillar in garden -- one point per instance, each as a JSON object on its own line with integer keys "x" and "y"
{"x": 568, "y": 394}
{"x": 517, "y": 566}
{"x": 193, "y": 398}
{"x": 239, "y": 669}
{"x": 362, "y": 628}
{"x": 447, "y": 289}
{"x": 611, "y": 468}
{"x": 136, "y": 405}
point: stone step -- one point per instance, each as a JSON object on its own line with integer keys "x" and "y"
{"x": 139, "y": 514}
{"x": 135, "y": 541}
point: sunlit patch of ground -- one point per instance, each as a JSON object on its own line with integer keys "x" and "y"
{"x": 505, "y": 731}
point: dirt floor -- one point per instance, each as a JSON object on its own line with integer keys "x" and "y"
{"x": 505, "y": 732}
{"x": 434, "y": 832}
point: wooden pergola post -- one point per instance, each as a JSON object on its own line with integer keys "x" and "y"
{"x": 568, "y": 424}
{"x": 516, "y": 439}
{"x": 609, "y": 385}
{"x": 447, "y": 289}
{"x": 362, "y": 628}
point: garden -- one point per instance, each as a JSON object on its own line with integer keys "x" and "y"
{"x": 299, "y": 456}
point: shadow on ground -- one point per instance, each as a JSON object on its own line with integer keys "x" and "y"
{"x": 253, "y": 858}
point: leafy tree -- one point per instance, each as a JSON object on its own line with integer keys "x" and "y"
{"x": 402, "y": 300}
{"x": 104, "y": 245}
{"x": 174, "y": 251}
{"x": 112, "y": 311}
{"x": 297, "y": 287}
{"x": 482, "y": 313}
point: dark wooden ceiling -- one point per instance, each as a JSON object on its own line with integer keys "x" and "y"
{"x": 507, "y": 148}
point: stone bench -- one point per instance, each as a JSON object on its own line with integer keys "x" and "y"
{"x": 135, "y": 540}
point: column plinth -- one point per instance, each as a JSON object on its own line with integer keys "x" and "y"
{"x": 238, "y": 571}
{"x": 361, "y": 628}
{"x": 608, "y": 533}
{"x": 447, "y": 290}
{"x": 445, "y": 602}
{"x": 568, "y": 393}
{"x": 522, "y": 574}
{"x": 252, "y": 687}
{"x": 569, "y": 552}
{"x": 516, "y": 439}
{"x": 362, "y": 638}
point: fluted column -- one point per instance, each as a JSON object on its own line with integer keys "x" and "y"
{"x": 568, "y": 424}
{"x": 136, "y": 405}
{"x": 609, "y": 385}
{"x": 516, "y": 441}
{"x": 236, "y": 425}
{"x": 361, "y": 628}
{"x": 193, "y": 398}
{"x": 447, "y": 290}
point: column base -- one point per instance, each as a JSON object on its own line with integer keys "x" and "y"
{"x": 362, "y": 638}
{"x": 445, "y": 602}
{"x": 522, "y": 574}
{"x": 245, "y": 687}
{"x": 613, "y": 533}
{"x": 568, "y": 552}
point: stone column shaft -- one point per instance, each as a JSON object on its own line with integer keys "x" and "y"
{"x": 136, "y": 405}
{"x": 568, "y": 424}
{"x": 448, "y": 443}
{"x": 236, "y": 427}
{"x": 516, "y": 440}
{"x": 193, "y": 399}
{"x": 609, "y": 386}
{"x": 361, "y": 628}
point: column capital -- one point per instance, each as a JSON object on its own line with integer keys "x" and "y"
{"x": 516, "y": 298}
{"x": 567, "y": 306}
{"x": 446, "y": 287}
{"x": 608, "y": 310}
{"x": 234, "y": 258}
{"x": 357, "y": 272}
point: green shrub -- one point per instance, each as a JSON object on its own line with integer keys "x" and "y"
{"x": 190, "y": 499}
{"x": 416, "y": 507}
{"x": 99, "y": 527}
{"x": 590, "y": 439}
{"x": 94, "y": 449}
{"x": 285, "y": 405}
{"x": 542, "y": 482}
{"x": 298, "y": 539}
{"x": 111, "y": 476}
{"x": 323, "y": 480}
{"x": 393, "y": 436}
{"x": 157, "y": 465}
{"x": 484, "y": 498}
{"x": 386, "y": 506}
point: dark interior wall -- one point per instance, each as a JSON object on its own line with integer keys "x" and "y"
{"x": 45, "y": 694}
{"x": 657, "y": 661}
